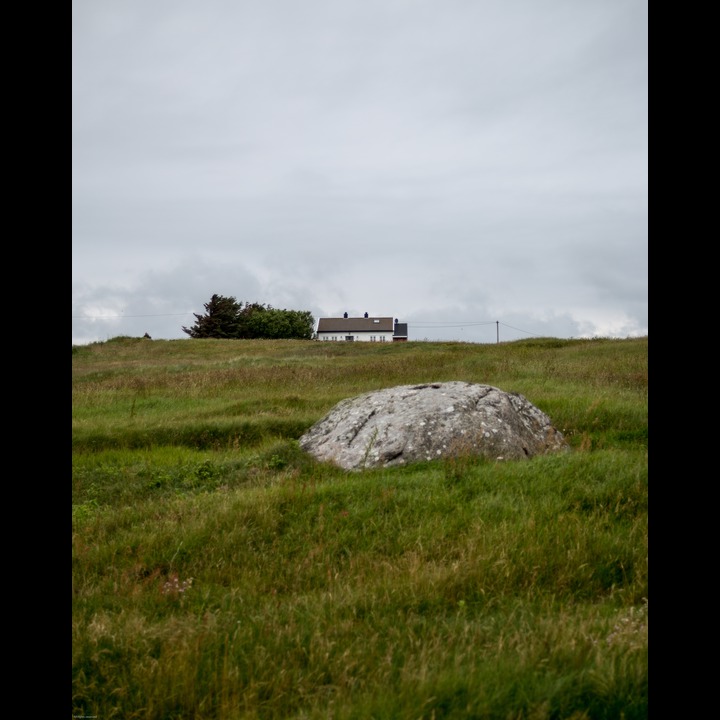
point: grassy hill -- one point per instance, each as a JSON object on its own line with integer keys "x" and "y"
{"x": 220, "y": 572}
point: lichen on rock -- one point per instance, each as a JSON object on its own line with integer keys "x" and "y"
{"x": 409, "y": 423}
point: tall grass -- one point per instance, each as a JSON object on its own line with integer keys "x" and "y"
{"x": 219, "y": 572}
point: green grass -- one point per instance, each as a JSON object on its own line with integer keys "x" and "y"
{"x": 219, "y": 572}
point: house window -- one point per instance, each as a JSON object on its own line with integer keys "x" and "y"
{"x": 349, "y": 338}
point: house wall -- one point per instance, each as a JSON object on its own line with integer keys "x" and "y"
{"x": 376, "y": 336}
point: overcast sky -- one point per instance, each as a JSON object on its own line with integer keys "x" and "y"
{"x": 454, "y": 164}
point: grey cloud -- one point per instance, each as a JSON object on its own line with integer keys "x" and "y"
{"x": 471, "y": 159}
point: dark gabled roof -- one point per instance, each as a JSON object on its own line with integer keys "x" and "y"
{"x": 344, "y": 325}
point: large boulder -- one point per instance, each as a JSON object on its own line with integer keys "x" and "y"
{"x": 409, "y": 423}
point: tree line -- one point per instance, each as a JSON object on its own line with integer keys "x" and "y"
{"x": 226, "y": 318}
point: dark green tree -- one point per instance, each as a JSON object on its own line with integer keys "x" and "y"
{"x": 228, "y": 318}
{"x": 251, "y": 321}
{"x": 265, "y": 321}
{"x": 221, "y": 319}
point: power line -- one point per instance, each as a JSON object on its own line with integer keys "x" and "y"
{"x": 108, "y": 317}
{"x": 431, "y": 324}
{"x": 420, "y": 324}
{"x": 438, "y": 325}
{"x": 519, "y": 329}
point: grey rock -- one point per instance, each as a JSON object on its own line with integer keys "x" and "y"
{"x": 410, "y": 423}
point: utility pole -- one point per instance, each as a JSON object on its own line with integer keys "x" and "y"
{"x": 497, "y": 327}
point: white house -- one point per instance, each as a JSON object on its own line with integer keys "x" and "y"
{"x": 367, "y": 329}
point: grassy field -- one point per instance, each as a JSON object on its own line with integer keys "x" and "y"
{"x": 219, "y": 572}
